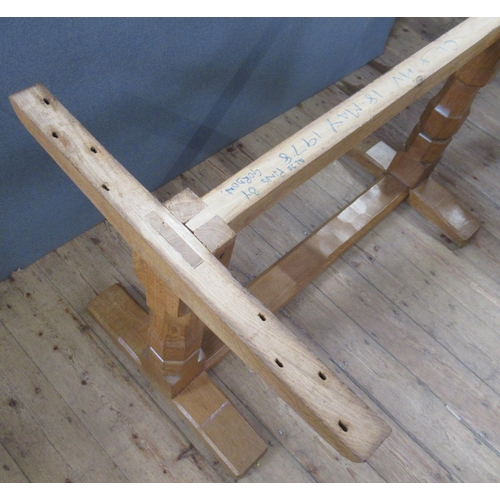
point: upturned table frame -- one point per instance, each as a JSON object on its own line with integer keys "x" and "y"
{"x": 197, "y": 312}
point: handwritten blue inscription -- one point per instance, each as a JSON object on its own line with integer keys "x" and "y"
{"x": 251, "y": 191}
{"x": 244, "y": 180}
{"x": 401, "y": 77}
{"x": 292, "y": 157}
{"x": 354, "y": 110}
{"x": 448, "y": 46}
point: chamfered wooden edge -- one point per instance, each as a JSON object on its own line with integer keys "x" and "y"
{"x": 208, "y": 411}
{"x": 441, "y": 208}
{"x": 430, "y": 199}
{"x": 249, "y": 329}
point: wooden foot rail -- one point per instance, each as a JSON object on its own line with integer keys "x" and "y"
{"x": 198, "y": 311}
{"x": 304, "y": 263}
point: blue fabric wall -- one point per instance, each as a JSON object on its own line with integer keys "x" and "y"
{"x": 160, "y": 94}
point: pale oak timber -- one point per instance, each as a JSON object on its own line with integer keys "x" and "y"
{"x": 367, "y": 297}
{"x": 174, "y": 356}
{"x": 173, "y": 350}
{"x": 77, "y": 272}
{"x": 166, "y": 344}
{"x": 185, "y": 205}
{"x": 99, "y": 258}
{"x": 379, "y": 375}
{"x": 79, "y": 263}
{"x": 224, "y": 431}
{"x": 282, "y": 281}
{"x": 444, "y": 115}
{"x": 305, "y": 153}
{"x": 211, "y": 413}
{"x": 249, "y": 330}
{"x": 439, "y": 207}
{"x": 264, "y": 290}
{"x": 219, "y": 238}
{"x": 432, "y": 201}
{"x": 128, "y": 326}
{"x": 373, "y": 155}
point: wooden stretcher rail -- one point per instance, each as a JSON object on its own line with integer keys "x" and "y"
{"x": 304, "y": 263}
{"x": 201, "y": 281}
{"x": 256, "y": 188}
{"x": 181, "y": 249}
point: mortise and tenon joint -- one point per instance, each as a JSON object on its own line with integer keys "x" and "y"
{"x": 182, "y": 248}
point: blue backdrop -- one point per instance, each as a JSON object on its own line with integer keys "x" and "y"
{"x": 160, "y": 94}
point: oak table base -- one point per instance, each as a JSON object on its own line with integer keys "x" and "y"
{"x": 202, "y": 404}
{"x": 198, "y": 312}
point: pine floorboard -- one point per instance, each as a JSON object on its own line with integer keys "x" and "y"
{"x": 405, "y": 318}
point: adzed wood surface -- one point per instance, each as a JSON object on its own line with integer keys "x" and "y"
{"x": 188, "y": 268}
{"x": 406, "y": 319}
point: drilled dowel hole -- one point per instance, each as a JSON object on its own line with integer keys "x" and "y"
{"x": 321, "y": 375}
{"x": 46, "y": 101}
{"x": 262, "y": 317}
{"x": 278, "y": 362}
{"x": 105, "y": 187}
{"x": 343, "y": 426}
{"x": 94, "y": 150}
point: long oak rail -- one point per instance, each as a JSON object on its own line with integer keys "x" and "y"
{"x": 254, "y": 189}
{"x": 250, "y": 330}
{"x": 306, "y": 261}
{"x": 409, "y": 167}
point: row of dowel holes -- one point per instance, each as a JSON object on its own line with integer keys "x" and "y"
{"x": 92, "y": 148}
{"x": 322, "y": 376}
{"x": 56, "y": 135}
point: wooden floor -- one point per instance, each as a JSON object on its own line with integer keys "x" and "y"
{"x": 409, "y": 321}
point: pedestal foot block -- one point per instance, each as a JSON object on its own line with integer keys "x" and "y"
{"x": 439, "y": 206}
{"x": 228, "y": 436}
{"x": 215, "y": 418}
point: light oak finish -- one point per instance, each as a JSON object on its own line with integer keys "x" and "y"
{"x": 285, "y": 279}
{"x": 439, "y": 207}
{"x": 373, "y": 155}
{"x": 219, "y": 238}
{"x": 179, "y": 339}
{"x": 207, "y": 408}
{"x": 246, "y": 195}
{"x": 442, "y": 118}
{"x": 173, "y": 355}
{"x": 224, "y": 431}
{"x": 244, "y": 325}
{"x": 430, "y": 199}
